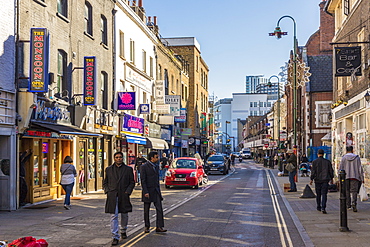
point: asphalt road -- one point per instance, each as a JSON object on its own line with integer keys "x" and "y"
{"x": 242, "y": 209}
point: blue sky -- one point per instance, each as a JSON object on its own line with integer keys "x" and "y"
{"x": 233, "y": 34}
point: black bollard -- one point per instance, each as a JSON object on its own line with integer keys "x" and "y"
{"x": 343, "y": 204}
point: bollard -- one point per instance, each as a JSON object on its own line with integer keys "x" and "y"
{"x": 343, "y": 204}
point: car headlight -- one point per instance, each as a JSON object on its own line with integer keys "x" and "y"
{"x": 168, "y": 174}
{"x": 192, "y": 174}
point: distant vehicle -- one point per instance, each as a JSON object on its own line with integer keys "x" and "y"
{"x": 237, "y": 154}
{"x": 246, "y": 153}
{"x": 217, "y": 163}
{"x": 186, "y": 171}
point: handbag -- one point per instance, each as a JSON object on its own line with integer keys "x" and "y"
{"x": 363, "y": 194}
{"x": 290, "y": 167}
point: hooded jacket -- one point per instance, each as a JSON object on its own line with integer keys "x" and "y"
{"x": 351, "y": 163}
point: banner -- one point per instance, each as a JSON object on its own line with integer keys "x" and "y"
{"x": 182, "y": 117}
{"x": 159, "y": 92}
{"x": 144, "y": 109}
{"x": 348, "y": 61}
{"x": 39, "y": 47}
{"x": 89, "y": 80}
{"x": 175, "y": 103}
{"x": 126, "y": 101}
{"x": 132, "y": 124}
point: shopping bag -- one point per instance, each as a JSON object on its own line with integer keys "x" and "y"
{"x": 363, "y": 194}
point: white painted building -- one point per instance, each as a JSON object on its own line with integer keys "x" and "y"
{"x": 8, "y": 152}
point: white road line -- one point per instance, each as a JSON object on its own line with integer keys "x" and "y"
{"x": 279, "y": 215}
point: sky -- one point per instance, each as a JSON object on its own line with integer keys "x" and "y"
{"x": 233, "y": 35}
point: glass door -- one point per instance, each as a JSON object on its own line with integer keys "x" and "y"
{"x": 91, "y": 165}
{"x": 81, "y": 166}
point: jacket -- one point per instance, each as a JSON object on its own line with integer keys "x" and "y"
{"x": 292, "y": 159}
{"x": 351, "y": 163}
{"x": 149, "y": 174}
{"x": 118, "y": 186}
{"x": 322, "y": 170}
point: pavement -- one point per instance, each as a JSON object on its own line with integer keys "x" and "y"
{"x": 88, "y": 223}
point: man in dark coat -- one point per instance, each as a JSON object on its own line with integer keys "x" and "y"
{"x": 151, "y": 191}
{"x": 322, "y": 172}
{"x": 118, "y": 185}
{"x": 292, "y": 159}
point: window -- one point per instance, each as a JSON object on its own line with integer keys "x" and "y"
{"x": 145, "y": 97}
{"x": 62, "y": 72}
{"x": 132, "y": 51}
{"x": 144, "y": 61}
{"x": 255, "y": 104}
{"x": 104, "y": 89}
{"x": 182, "y": 92}
{"x": 268, "y": 104}
{"x": 251, "y": 104}
{"x": 159, "y": 72}
{"x": 166, "y": 89}
{"x": 151, "y": 67}
{"x": 62, "y": 7}
{"x": 346, "y": 7}
{"x": 121, "y": 44}
{"x": 88, "y": 18}
{"x": 104, "y": 31}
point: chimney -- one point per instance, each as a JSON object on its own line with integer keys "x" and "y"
{"x": 149, "y": 19}
{"x": 134, "y": 3}
{"x": 140, "y": 3}
{"x": 155, "y": 20}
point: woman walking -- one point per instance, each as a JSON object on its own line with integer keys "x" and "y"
{"x": 67, "y": 181}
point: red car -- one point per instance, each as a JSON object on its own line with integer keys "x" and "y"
{"x": 186, "y": 171}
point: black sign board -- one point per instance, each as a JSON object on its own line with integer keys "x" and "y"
{"x": 39, "y": 48}
{"x": 348, "y": 61}
{"x": 89, "y": 80}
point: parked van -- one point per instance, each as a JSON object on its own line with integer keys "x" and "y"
{"x": 246, "y": 153}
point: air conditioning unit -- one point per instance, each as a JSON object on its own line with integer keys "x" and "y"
{"x": 153, "y": 117}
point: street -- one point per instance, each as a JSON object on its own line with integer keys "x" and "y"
{"x": 242, "y": 208}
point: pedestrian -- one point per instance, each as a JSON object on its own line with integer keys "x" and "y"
{"x": 163, "y": 166}
{"x": 292, "y": 159}
{"x": 67, "y": 181}
{"x": 118, "y": 184}
{"x": 351, "y": 164}
{"x": 322, "y": 172}
{"x": 138, "y": 162}
{"x": 151, "y": 191}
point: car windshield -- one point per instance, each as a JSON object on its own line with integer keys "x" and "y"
{"x": 216, "y": 158}
{"x": 184, "y": 164}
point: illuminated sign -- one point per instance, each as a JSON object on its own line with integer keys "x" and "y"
{"x": 45, "y": 147}
{"x": 89, "y": 80}
{"x": 39, "y": 47}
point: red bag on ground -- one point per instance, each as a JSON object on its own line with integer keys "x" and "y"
{"x": 28, "y": 242}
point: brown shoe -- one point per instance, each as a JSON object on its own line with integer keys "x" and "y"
{"x": 146, "y": 229}
{"x": 160, "y": 229}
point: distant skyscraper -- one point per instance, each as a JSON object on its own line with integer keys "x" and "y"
{"x": 251, "y": 83}
{"x": 258, "y": 84}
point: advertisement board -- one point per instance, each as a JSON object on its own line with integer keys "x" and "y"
{"x": 126, "y": 101}
{"x": 89, "y": 80}
{"x": 347, "y": 61}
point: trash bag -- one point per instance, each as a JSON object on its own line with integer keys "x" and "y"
{"x": 28, "y": 242}
{"x": 363, "y": 194}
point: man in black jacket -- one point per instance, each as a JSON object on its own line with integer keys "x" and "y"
{"x": 118, "y": 184}
{"x": 322, "y": 172}
{"x": 151, "y": 191}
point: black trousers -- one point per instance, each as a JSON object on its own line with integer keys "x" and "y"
{"x": 159, "y": 212}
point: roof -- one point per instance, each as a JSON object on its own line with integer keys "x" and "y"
{"x": 321, "y": 68}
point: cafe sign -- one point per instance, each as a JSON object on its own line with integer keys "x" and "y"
{"x": 39, "y": 46}
{"x": 348, "y": 61}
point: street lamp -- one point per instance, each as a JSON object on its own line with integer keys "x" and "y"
{"x": 278, "y": 106}
{"x": 277, "y": 33}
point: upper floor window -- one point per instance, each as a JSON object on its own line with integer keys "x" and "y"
{"x": 121, "y": 44}
{"x": 151, "y": 66}
{"x": 104, "y": 90}
{"x": 132, "y": 51}
{"x": 104, "y": 31}
{"x": 62, "y": 83}
{"x": 144, "y": 61}
{"x": 62, "y": 7}
{"x": 88, "y": 18}
{"x": 346, "y": 7}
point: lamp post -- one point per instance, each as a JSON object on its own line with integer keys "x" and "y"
{"x": 278, "y": 106}
{"x": 278, "y": 35}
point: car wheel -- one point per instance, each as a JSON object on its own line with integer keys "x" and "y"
{"x": 167, "y": 186}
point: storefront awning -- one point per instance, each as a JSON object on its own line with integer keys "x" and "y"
{"x": 156, "y": 143}
{"x": 64, "y": 129}
{"x": 136, "y": 139}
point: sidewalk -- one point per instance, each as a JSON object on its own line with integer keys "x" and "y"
{"x": 323, "y": 229}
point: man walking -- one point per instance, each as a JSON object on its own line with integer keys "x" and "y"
{"x": 151, "y": 191}
{"x": 118, "y": 185}
{"x": 322, "y": 172}
{"x": 139, "y": 161}
{"x": 351, "y": 163}
{"x": 163, "y": 167}
{"x": 292, "y": 159}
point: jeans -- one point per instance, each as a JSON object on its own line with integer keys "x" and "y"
{"x": 293, "y": 185}
{"x": 321, "y": 195}
{"x": 114, "y": 227}
{"x": 352, "y": 189}
{"x": 68, "y": 189}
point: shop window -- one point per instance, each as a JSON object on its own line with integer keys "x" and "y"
{"x": 36, "y": 179}
{"x": 100, "y": 159}
{"x": 91, "y": 159}
{"x": 45, "y": 163}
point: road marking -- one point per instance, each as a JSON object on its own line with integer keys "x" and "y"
{"x": 283, "y": 230}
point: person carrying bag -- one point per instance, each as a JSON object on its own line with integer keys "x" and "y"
{"x": 67, "y": 181}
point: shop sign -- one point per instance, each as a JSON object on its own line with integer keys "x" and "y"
{"x": 162, "y": 109}
{"x": 45, "y": 147}
{"x": 182, "y": 117}
{"x": 348, "y": 61}
{"x": 197, "y": 142}
{"x": 126, "y": 101}
{"x": 176, "y": 131}
{"x": 144, "y": 109}
{"x": 89, "y": 80}
{"x": 154, "y": 130}
{"x": 36, "y": 133}
{"x": 39, "y": 46}
{"x": 133, "y": 124}
{"x": 186, "y": 131}
{"x": 166, "y": 134}
{"x": 52, "y": 112}
{"x": 184, "y": 144}
{"x": 138, "y": 80}
{"x": 159, "y": 92}
{"x": 175, "y": 103}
